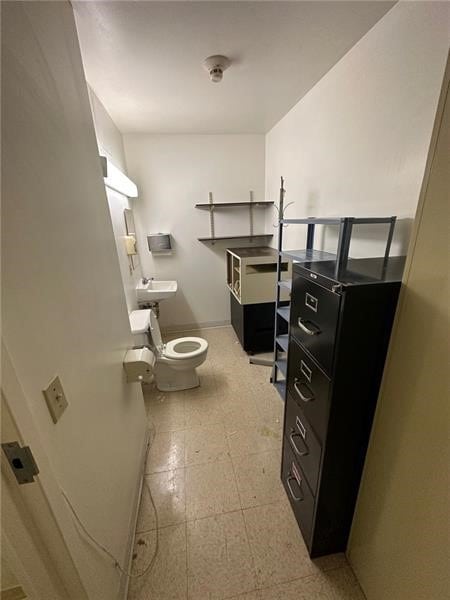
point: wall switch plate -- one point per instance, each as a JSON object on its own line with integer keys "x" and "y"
{"x": 56, "y": 399}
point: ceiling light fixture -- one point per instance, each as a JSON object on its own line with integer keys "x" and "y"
{"x": 215, "y": 66}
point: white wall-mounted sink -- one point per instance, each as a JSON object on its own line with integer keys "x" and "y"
{"x": 155, "y": 291}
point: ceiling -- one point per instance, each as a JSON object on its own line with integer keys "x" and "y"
{"x": 144, "y": 59}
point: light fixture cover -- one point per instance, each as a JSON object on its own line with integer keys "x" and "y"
{"x": 116, "y": 180}
{"x": 216, "y": 65}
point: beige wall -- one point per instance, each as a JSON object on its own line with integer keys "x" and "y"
{"x": 64, "y": 310}
{"x": 399, "y": 542}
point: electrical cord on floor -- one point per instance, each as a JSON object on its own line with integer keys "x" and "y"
{"x": 101, "y": 547}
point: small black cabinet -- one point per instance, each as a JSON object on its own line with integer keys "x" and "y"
{"x": 339, "y": 335}
{"x": 254, "y": 324}
{"x": 251, "y": 279}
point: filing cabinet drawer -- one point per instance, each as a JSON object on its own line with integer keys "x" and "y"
{"x": 309, "y": 387}
{"x": 303, "y": 442}
{"x": 314, "y": 317}
{"x": 298, "y": 492}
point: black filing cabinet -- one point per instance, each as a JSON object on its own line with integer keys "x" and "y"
{"x": 339, "y": 334}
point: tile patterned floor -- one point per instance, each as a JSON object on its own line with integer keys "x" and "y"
{"x": 226, "y": 529}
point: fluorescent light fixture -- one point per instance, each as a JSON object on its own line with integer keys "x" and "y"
{"x": 116, "y": 180}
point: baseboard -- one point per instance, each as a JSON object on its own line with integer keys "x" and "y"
{"x": 124, "y": 580}
{"x": 193, "y": 326}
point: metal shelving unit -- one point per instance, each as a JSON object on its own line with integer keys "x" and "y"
{"x": 250, "y": 205}
{"x": 309, "y": 254}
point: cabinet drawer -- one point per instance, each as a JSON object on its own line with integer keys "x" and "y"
{"x": 303, "y": 442}
{"x": 314, "y": 317}
{"x": 298, "y": 492}
{"x": 309, "y": 387}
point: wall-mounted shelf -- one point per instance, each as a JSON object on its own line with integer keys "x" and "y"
{"x": 211, "y": 207}
{"x": 236, "y": 237}
{"x": 219, "y": 205}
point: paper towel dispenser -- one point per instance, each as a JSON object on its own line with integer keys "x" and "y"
{"x": 159, "y": 243}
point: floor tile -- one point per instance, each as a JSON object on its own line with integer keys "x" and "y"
{"x": 338, "y": 584}
{"x": 216, "y": 449}
{"x": 167, "y": 580}
{"x": 169, "y": 497}
{"x": 232, "y": 397}
{"x": 206, "y": 444}
{"x": 167, "y": 416}
{"x": 258, "y": 478}
{"x": 261, "y": 373}
{"x": 277, "y": 547}
{"x": 238, "y": 412}
{"x": 219, "y": 558}
{"x": 331, "y": 561}
{"x": 271, "y": 408}
{"x": 166, "y": 452}
{"x": 210, "y": 489}
{"x": 253, "y": 437}
{"x": 202, "y": 411}
{"x": 207, "y": 386}
{"x": 154, "y": 396}
{"x": 255, "y": 595}
{"x": 232, "y": 380}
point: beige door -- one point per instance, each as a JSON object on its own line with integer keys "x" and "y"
{"x": 36, "y": 563}
{"x": 11, "y": 587}
{"x": 399, "y": 542}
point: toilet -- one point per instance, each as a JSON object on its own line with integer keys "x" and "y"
{"x": 177, "y": 360}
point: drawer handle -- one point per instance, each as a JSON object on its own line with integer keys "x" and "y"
{"x": 291, "y": 491}
{"x": 297, "y": 384}
{"x": 306, "y": 329}
{"x": 296, "y": 449}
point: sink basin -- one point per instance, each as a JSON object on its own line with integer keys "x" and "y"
{"x": 155, "y": 291}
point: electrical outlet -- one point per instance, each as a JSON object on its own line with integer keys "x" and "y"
{"x": 56, "y": 399}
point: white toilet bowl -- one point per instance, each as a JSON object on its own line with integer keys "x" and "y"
{"x": 177, "y": 360}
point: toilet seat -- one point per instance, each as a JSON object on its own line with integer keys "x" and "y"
{"x": 185, "y": 347}
{"x": 176, "y": 361}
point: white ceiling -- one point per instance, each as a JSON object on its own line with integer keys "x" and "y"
{"x": 143, "y": 59}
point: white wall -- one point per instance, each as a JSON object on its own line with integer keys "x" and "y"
{"x": 174, "y": 172}
{"x": 64, "y": 310}
{"x": 356, "y": 144}
{"x": 110, "y": 144}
